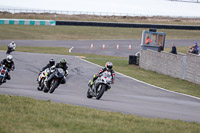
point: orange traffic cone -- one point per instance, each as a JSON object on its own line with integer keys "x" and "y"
{"x": 103, "y": 46}
{"x": 129, "y": 47}
{"x": 91, "y": 46}
{"x": 117, "y": 46}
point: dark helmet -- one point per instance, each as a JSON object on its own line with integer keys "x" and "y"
{"x": 63, "y": 62}
{"x": 52, "y": 62}
{"x": 109, "y": 65}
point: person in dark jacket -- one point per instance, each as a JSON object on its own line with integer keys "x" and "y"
{"x": 108, "y": 67}
{"x": 196, "y": 47}
{"x": 173, "y": 51}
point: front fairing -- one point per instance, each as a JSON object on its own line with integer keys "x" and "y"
{"x": 59, "y": 73}
{"x": 3, "y": 71}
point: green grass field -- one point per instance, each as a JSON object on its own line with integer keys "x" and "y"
{"x": 26, "y": 115}
{"x": 26, "y": 32}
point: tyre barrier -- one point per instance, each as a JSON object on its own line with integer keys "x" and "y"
{"x": 99, "y": 24}
{"x": 27, "y": 22}
{"x": 129, "y": 25}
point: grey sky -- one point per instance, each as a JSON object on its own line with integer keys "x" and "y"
{"x": 144, "y": 7}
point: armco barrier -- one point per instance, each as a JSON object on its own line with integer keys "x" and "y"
{"x": 27, "y": 22}
{"x": 129, "y": 25}
{"x": 100, "y": 24}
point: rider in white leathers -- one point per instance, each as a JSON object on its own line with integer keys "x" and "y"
{"x": 11, "y": 47}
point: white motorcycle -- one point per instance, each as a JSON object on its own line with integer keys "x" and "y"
{"x": 41, "y": 78}
{"x": 100, "y": 85}
{"x": 11, "y": 48}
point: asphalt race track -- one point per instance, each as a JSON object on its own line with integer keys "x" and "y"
{"x": 83, "y": 46}
{"x": 126, "y": 96}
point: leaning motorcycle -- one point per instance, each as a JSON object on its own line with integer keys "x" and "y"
{"x": 3, "y": 72}
{"x": 100, "y": 85}
{"x": 41, "y": 78}
{"x": 10, "y": 49}
{"x": 55, "y": 81}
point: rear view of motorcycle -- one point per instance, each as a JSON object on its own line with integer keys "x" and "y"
{"x": 100, "y": 85}
{"x": 3, "y": 72}
{"x": 58, "y": 76}
{"x": 11, "y": 47}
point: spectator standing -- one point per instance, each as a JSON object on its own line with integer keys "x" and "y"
{"x": 173, "y": 51}
{"x": 196, "y": 47}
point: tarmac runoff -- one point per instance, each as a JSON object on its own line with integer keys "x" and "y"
{"x": 127, "y": 95}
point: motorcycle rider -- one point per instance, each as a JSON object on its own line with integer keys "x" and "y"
{"x": 11, "y": 47}
{"x": 9, "y": 64}
{"x": 108, "y": 67}
{"x": 62, "y": 64}
{"x": 49, "y": 65}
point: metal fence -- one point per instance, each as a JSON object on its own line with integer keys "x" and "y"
{"x": 38, "y": 11}
{"x": 13, "y": 11}
{"x": 193, "y": 1}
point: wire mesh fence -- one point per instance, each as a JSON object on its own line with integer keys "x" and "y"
{"x": 193, "y": 1}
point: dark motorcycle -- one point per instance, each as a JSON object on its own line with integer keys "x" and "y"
{"x": 100, "y": 85}
{"x": 55, "y": 81}
{"x": 3, "y": 72}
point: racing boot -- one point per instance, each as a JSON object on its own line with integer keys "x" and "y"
{"x": 4, "y": 80}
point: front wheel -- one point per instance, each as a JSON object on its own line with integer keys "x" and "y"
{"x": 45, "y": 89}
{"x": 54, "y": 85}
{"x": 1, "y": 80}
{"x": 88, "y": 93}
{"x": 100, "y": 91}
{"x": 42, "y": 84}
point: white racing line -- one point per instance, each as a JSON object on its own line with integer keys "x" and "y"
{"x": 144, "y": 82}
{"x": 70, "y": 50}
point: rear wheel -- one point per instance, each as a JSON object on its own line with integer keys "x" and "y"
{"x": 100, "y": 91}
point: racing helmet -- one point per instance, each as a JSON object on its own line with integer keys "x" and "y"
{"x": 13, "y": 42}
{"x": 108, "y": 65}
{"x": 52, "y": 62}
{"x": 63, "y": 62}
{"x": 9, "y": 58}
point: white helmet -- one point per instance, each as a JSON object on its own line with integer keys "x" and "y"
{"x": 9, "y": 58}
{"x": 109, "y": 65}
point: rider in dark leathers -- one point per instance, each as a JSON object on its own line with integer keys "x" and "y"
{"x": 62, "y": 64}
{"x": 49, "y": 65}
{"x": 9, "y": 64}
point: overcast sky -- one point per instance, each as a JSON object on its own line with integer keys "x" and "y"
{"x": 144, "y": 7}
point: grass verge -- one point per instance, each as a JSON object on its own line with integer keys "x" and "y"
{"x": 27, "y": 32}
{"x": 121, "y": 65}
{"x": 26, "y": 115}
